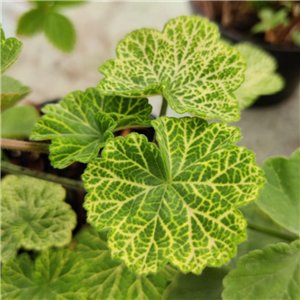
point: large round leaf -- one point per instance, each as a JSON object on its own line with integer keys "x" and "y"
{"x": 33, "y": 215}
{"x": 177, "y": 203}
{"x": 186, "y": 63}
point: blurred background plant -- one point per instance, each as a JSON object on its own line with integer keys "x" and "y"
{"x": 45, "y": 17}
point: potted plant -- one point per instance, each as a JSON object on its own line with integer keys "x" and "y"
{"x": 157, "y": 209}
{"x": 272, "y": 25}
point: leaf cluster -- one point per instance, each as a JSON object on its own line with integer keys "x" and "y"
{"x": 46, "y": 17}
{"x": 182, "y": 203}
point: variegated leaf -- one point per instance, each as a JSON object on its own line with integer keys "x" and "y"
{"x": 82, "y": 122}
{"x": 174, "y": 204}
{"x": 186, "y": 63}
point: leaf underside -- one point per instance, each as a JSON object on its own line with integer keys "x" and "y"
{"x": 109, "y": 279}
{"x": 280, "y": 197}
{"x": 33, "y": 215}
{"x": 12, "y": 91}
{"x": 260, "y": 76}
{"x": 186, "y": 63}
{"x": 272, "y": 273}
{"x": 176, "y": 204}
{"x": 10, "y": 50}
{"x": 82, "y": 122}
{"x": 55, "y": 274}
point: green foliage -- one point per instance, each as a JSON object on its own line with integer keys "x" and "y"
{"x": 186, "y": 63}
{"x": 18, "y": 122}
{"x": 10, "y": 50}
{"x": 280, "y": 198}
{"x": 82, "y": 123}
{"x": 260, "y": 76}
{"x": 60, "y": 31}
{"x": 108, "y": 279}
{"x": 177, "y": 203}
{"x": 54, "y": 274}
{"x": 33, "y": 215}
{"x": 31, "y": 22}
{"x": 296, "y": 37}
{"x": 272, "y": 273}
{"x": 270, "y": 19}
{"x": 207, "y": 286}
{"x": 12, "y": 91}
{"x": 46, "y": 17}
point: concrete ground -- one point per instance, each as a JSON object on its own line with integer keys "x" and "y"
{"x": 269, "y": 131}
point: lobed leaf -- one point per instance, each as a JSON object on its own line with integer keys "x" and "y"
{"x": 54, "y": 274}
{"x": 17, "y": 122}
{"x": 82, "y": 123}
{"x": 33, "y": 215}
{"x": 185, "y": 63}
{"x": 260, "y": 76}
{"x": 177, "y": 203}
{"x": 10, "y": 50}
{"x": 109, "y": 279}
{"x": 12, "y": 91}
{"x": 281, "y": 195}
{"x": 269, "y": 274}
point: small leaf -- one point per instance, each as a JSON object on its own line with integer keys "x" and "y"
{"x": 207, "y": 286}
{"x": 12, "y": 91}
{"x": 60, "y": 31}
{"x": 82, "y": 123}
{"x": 54, "y": 274}
{"x": 260, "y": 76}
{"x": 280, "y": 198}
{"x": 10, "y": 50}
{"x": 296, "y": 37}
{"x": 33, "y": 215}
{"x": 17, "y": 122}
{"x": 177, "y": 203}
{"x": 270, "y": 19}
{"x": 269, "y": 274}
{"x": 31, "y": 22}
{"x": 185, "y": 63}
{"x": 109, "y": 279}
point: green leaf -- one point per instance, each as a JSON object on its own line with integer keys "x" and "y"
{"x": 109, "y": 279}
{"x": 12, "y": 91}
{"x": 296, "y": 37}
{"x": 31, "y": 22}
{"x": 33, "y": 215}
{"x": 61, "y": 3}
{"x": 185, "y": 63}
{"x": 10, "y": 50}
{"x": 18, "y": 122}
{"x": 177, "y": 203}
{"x": 82, "y": 123}
{"x": 260, "y": 76}
{"x": 54, "y": 274}
{"x": 270, "y": 19}
{"x": 269, "y": 274}
{"x": 60, "y": 31}
{"x": 280, "y": 197}
{"x": 207, "y": 286}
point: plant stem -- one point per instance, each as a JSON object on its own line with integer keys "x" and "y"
{"x": 272, "y": 232}
{"x": 164, "y": 107}
{"x": 66, "y": 182}
{"x": 24, "y": 146}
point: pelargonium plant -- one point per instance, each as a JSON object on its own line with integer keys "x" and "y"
{"x": 169, "y": 218}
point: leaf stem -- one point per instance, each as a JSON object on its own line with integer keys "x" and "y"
{"x": 66, "y": 182}
{"x": 272, "y": 232}
{"x": 164, "y": 107}
{"x": 24, "y": 146}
